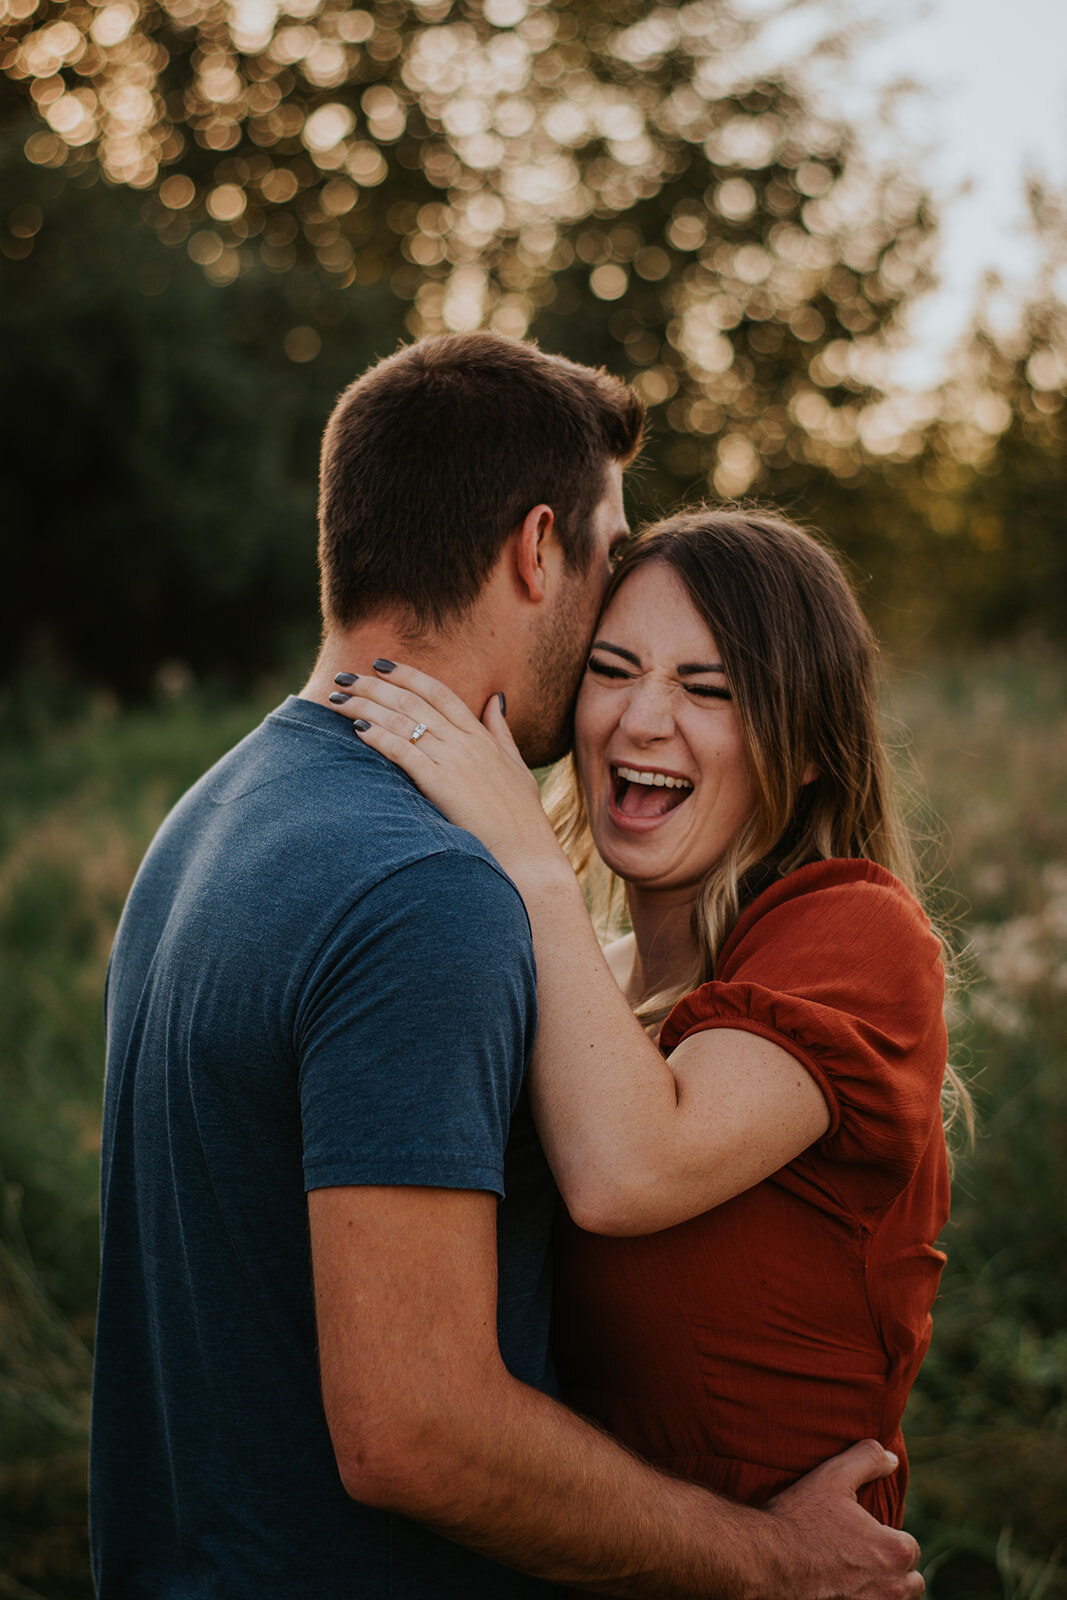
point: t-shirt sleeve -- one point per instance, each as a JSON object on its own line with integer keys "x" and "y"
{"x": 847, "y": 977}
{"x": 415, "y": 1030}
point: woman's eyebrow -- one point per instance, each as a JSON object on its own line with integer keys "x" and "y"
{"x": 616, "y": 650}
{"x": 687, "y": 669}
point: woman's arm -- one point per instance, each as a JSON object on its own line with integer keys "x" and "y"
{"x": 636, "y": 1143}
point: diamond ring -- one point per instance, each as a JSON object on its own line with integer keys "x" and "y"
{"x": 419, "y": 730}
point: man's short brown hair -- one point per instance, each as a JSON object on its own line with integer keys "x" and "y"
{"x": 436, "y": 454}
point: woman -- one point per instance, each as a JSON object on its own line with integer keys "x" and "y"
{"x": 746, "y": 1283}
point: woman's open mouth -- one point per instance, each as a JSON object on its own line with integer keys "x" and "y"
{"x": 643, "y": 795}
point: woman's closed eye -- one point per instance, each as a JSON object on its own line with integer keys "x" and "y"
{"x": 709, "y": 691}
{"x": 702, "y": 691}
{"x": 606, "y": 669}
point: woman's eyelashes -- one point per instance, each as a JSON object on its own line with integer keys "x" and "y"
{"x": 703, "y": 691}
{"x": 605, "y": 669}
{"x": 709, "y": 691}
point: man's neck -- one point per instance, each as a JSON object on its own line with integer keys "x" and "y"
{"x": 460, "y": 658}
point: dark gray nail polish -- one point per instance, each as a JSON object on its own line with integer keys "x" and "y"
{"x": 338, "y": 699}
{"x": 346, "y": 679}
{"x": 503, "y": 704}
{"x": 384, "y": 666}
{"x": 360, "y": 726}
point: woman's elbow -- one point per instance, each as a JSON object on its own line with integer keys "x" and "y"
{"x": 624, "y": 1202}
{"x": 613, "y": 1205}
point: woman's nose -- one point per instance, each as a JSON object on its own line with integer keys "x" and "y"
{"x": 648, "y": 714}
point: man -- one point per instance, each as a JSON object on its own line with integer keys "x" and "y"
{"x": 322, "y": 1350}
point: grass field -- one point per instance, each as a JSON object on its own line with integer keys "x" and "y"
{"x": 84, "y": 792}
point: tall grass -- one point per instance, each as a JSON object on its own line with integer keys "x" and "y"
{"x": 987, "y": 1426}
{"x": 988, "y": 1422}
{"x": 83, "y": 795}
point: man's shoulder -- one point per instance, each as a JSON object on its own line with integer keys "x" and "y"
{"x": 300, "y": 853}
{"x": 304, "y": 806}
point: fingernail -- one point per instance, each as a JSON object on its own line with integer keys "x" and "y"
{"x": 503, "y": 704}
{"x": 894, "y": 1458}
{"x": 360, "y": 726}
{"x": 346, "y": 679}
{"x": 384, "y": 666}
{"x": 338, "y": 699}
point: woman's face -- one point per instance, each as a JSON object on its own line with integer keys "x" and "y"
{"x": 657, "y": 739}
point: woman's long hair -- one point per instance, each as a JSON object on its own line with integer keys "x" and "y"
{"x": 799, "y": 659}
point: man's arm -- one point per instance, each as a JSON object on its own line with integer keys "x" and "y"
{"x": 427, "y": 1421}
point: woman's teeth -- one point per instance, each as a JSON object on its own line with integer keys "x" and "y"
{"x": 657, "y": 780}
{"x": 648, "y": 794}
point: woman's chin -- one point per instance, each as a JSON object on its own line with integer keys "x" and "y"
{"x": 631, "y": 856}
{"x": 648, "y": 858}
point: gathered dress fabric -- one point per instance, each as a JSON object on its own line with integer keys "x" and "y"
{"x": 745, "y": 1346}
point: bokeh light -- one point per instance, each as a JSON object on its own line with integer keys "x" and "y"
{"x": 302, "y": 344}
{"x": 500, "y": 164}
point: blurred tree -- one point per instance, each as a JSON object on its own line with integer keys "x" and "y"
{"x": 978, "y": 515}
{"x": 159, "y": 439}
{"x": 517, "y": 163}
{"x": 621, "y": 180}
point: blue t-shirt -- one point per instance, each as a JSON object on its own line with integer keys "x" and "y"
{"x": 317, "y": 980}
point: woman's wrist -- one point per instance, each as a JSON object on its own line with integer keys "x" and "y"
{"x": 536, "y": 862}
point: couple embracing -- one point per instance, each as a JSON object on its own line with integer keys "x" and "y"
{"x": 361, "y": 1037}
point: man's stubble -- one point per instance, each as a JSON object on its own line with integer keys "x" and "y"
{"x": 555, "y": 667}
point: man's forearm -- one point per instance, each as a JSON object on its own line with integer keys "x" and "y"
{"x": 533, "y": 1486}
{"x": 528, "y": 1483}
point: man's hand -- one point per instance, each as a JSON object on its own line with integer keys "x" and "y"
{"x": 832, "y": 1549}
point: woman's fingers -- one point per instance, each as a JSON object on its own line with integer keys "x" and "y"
{"x": 494, "y": 719}
{"x": 402, "y": 692}
{"x": 432, "y": 692}
{"x": 390, "y": 695}
{"x": 401, "y": 752}
{"x": 396, "y": 717}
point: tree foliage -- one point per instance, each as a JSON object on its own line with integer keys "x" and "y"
{"x": 975, "y": 513}
{"x": 621, "y": 181}
{"x": 995, "y": 497}
{"x": 617, "y": 177}
{"x": 159, "y": 445}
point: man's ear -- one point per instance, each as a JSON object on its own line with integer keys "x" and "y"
{"x": 531, "y": 541}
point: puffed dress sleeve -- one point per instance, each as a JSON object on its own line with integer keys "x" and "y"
{"x": 838, "y": 964}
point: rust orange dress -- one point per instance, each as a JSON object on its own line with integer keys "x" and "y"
{"x": 743, "y": 1347}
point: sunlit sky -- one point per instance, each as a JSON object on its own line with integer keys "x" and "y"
{"x": 992, "y": 106}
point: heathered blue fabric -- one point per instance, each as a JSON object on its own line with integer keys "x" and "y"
{"x": 316, "y": 981}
